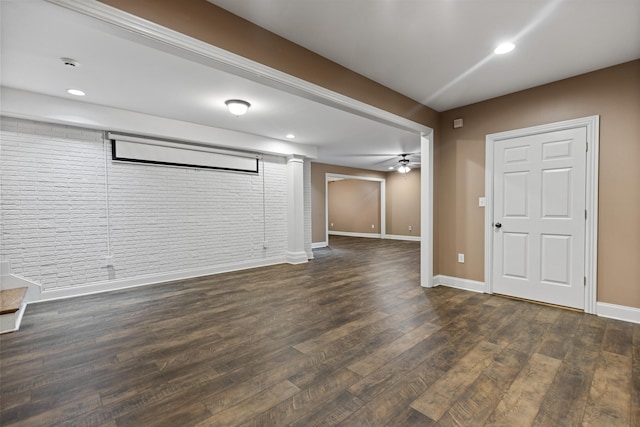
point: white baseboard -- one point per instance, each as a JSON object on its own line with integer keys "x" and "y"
{"x": 458, "y": 283}
{"x": 318, "y": 245}
{"x": 296, "y": 257}
{"x": 369, "y": 235}
{"x": 619, "y": 312}
{"x": 132, "y": 282}
{"x": 603, "y": 309}
{"x": 350, "y": 234}
{"x": 401, "y": 237}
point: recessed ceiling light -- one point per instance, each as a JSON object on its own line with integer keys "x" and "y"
{"x": 504, "y": 48}
{"x": 391, "y": 168}
{"x": 76, "y": 92}
{"x": 290, "y": 136}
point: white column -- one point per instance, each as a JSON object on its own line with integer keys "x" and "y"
{"x": 296, "y": 253}
{"x": 426, "y": 211}
{"x": 307, "y": 209}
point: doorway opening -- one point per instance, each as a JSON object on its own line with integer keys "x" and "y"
{"x": 375, "y": 217}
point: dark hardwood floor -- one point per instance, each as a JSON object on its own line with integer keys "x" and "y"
{"x": 348, "y": 339}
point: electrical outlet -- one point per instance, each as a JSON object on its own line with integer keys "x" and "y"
{"x": 410, "y": 228}
{"x": 461, "y": 258}
{"x": 482, "y": 202}
{"x": 331, "y": 224}
{"x": 373, "y": 226}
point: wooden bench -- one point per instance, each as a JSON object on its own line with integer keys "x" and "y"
{"x": 11, "y": 300}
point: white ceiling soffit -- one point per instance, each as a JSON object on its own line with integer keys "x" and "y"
{"x": 440, "y": 52}
{"x": 131, "y": 64}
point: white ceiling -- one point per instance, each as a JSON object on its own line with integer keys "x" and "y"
{"x": 406, "y": 45}
{"x": 440, "y": 52}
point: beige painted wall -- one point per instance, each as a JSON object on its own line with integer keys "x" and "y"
{"x": 403, "y": 203}
{"x": 402, "y": 199}
{"x": 612, "y": 93}
{"x": 354, "y": 206}
{"x": 212, "y": 24}
{"x": 318, "y": 176}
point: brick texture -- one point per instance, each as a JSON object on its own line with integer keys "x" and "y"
{"x": 57, "y": 181}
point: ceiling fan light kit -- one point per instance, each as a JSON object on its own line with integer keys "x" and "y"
{"x": 404, "y": 164}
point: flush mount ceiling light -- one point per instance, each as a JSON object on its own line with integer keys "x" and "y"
{"x": 290, "y": 136}
{"x": 75, "y": 92}
{"x": 504, "y": 48}
{"x": 404, "y": 164}
{"x": 237, "y": 107}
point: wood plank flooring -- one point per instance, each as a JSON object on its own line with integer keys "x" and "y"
{"x": 348, "y": 339}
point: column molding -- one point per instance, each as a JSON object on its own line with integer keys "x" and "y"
{"x": 296, "y": 253}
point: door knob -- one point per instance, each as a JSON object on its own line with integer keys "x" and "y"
{"x": 498, "y": 225}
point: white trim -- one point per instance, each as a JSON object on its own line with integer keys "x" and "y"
{"x": 5, "y": 268}
{"x": 591, "y": 124}
{"x": 458, "y": 283}
{"x": 169, "y": 40}
{"x": 400, "y": 237}
{"x": 619, "y": 312}
{"x": 296, "y": 253}
{"x": 9, "y": 280}
{"x": 297, "y": 257}
{"x": 318, "y": 245}
{"x": 11, "y": 322}
{"x": 151, "y": 279}
{"x": 350, "y": 234}
{"x": 51, "y": 109}
{"x": 426, "y": 210}
{"x": 383, "y": 205}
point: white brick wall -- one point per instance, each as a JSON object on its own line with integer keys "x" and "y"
{"x": 162, "y": 219}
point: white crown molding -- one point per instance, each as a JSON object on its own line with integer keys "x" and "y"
{"x": 231, "y": 62}
{"x": 51, "y": 109}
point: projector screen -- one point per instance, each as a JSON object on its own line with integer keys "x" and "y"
{"x": 141, "y": 150}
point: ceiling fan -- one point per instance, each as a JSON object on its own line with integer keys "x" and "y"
{"x": 391, "y": 162}
{"x": 404, "y": 164}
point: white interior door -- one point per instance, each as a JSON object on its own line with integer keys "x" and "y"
{"x": 539, "y": 217}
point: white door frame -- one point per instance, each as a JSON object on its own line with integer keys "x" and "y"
{"x": 592, "y": 125}
{"x": 383, "y": 198}
{"x": 196, "y": 50}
